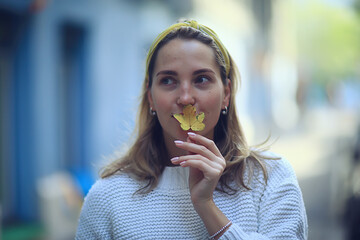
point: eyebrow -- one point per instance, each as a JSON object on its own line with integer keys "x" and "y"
{"x": 167, "y": 72}
{"x": 173, "y": 73}
{"x": 204, "y": 70}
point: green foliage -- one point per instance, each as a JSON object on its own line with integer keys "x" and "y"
{"x": 329, "y": 41}
{"x": 356, "y": 5}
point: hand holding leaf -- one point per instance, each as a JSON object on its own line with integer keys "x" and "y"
{"x": 189, "y": 120}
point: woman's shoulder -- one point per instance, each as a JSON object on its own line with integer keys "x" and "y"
{"x": 270, "y": 169}
{"x": 105, "y": 195}
{"x": 271, "y": 162}
{"x": 112, "y": 186}
{"x": 277, "y": 165}
{"x": 280, "y": 172}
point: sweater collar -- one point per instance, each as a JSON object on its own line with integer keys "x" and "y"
{"x": 174, "y": 178}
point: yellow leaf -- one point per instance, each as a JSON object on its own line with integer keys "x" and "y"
{"x": 189, "y": 120}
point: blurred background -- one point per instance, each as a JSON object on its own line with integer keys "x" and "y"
{"x": 71, "y": 73}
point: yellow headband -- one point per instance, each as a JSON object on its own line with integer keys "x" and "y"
{"x": 193, "y": 24}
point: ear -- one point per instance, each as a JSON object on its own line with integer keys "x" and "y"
{"x": 151, "y": 102}
{"x": 227, "y": 91}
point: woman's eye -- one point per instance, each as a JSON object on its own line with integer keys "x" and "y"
{"x": 202, "y": 79}
{"x": 167, "y": 81}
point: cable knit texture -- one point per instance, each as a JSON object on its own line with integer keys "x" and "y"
{"x": 269, "y": 211}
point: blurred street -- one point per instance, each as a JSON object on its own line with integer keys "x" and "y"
{"x": 321, "y": 155}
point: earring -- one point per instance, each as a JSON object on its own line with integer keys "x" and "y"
{"x": 224, "y": 111}
{"x": 152, "y": 112}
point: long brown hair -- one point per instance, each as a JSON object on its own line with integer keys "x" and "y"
{"x": 147, "y": 157}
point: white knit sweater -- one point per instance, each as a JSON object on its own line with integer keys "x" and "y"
{"x": 272, "y": 211}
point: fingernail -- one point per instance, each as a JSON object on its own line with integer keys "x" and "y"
{"x": 182, "y": 163}
{"x": 174, "y": 159}
{"x": 191, "y": 134}
{"x": 178, "y": 142}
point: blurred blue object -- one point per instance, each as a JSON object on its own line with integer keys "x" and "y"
{"x": 84, "y": 179}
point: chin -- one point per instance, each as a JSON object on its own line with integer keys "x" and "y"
{"x": 182, "y": 135}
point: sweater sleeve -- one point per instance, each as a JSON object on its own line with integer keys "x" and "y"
{"x": 281, "y": 213}
{"x": 94, "y": 221}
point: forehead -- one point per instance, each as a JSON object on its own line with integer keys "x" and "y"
{"x": 184, "y": 51}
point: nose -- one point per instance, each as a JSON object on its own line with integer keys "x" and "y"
{"x": 186, "y": 95}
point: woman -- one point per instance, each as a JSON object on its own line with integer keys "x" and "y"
{"x": 178, "y": 184}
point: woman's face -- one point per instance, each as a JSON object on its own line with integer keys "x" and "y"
{"x": 185, "y": 72}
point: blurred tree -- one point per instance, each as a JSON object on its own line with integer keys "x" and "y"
{"x": 356, "y": 5}
{"x": 329, "y": 41}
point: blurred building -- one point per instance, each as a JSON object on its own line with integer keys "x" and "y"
{"x": 70, "y": 75}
